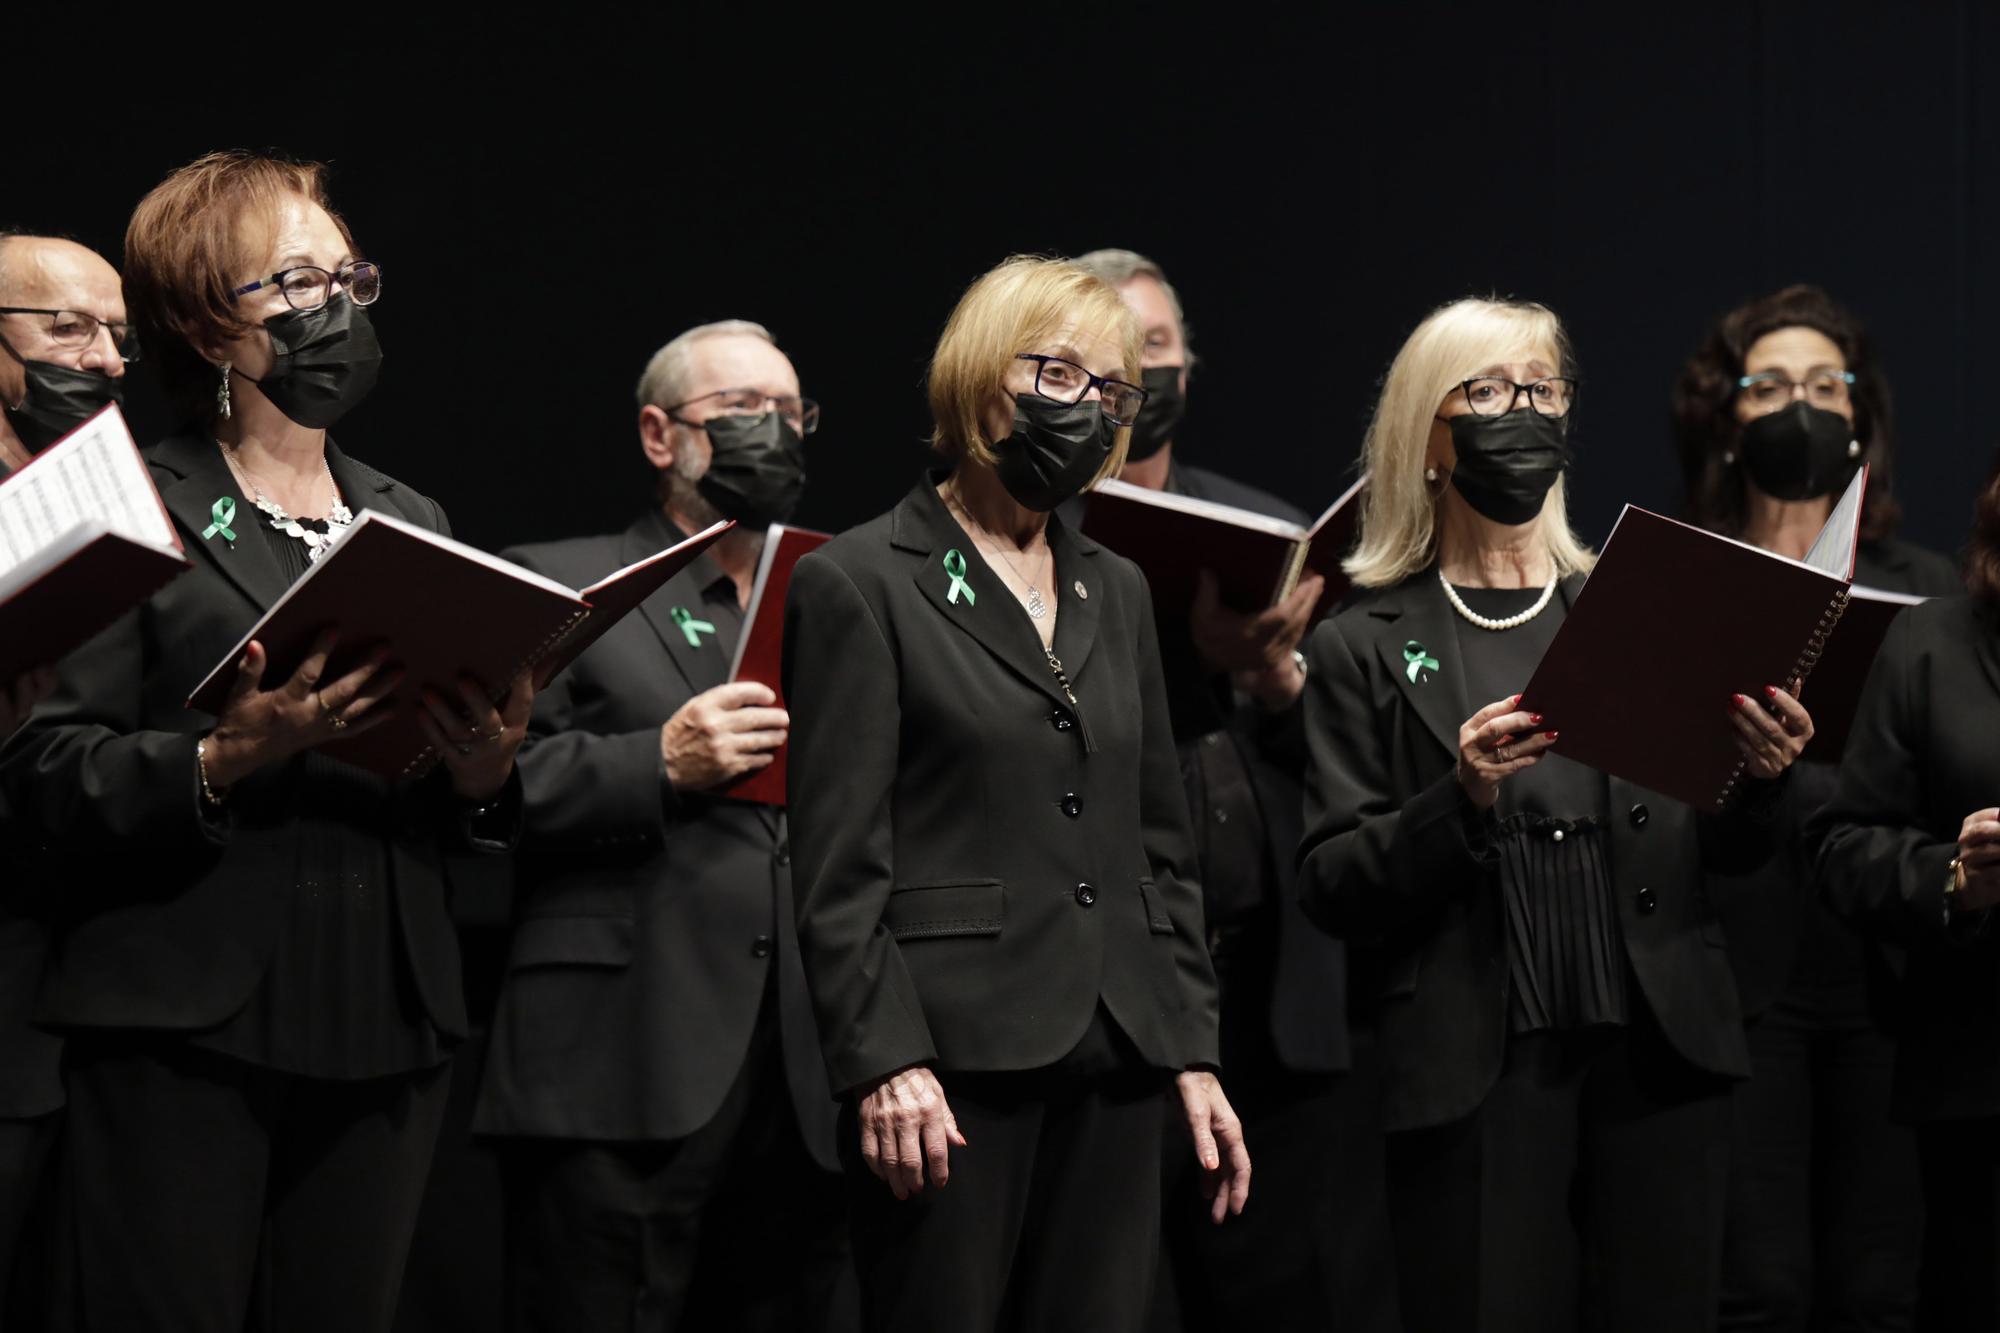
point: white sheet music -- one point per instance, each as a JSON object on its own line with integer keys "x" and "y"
{"x": 92, "y": 476}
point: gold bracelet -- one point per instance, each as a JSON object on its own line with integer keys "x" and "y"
{"x": 1956, "y": 873}
{"x": 201, "y": 771}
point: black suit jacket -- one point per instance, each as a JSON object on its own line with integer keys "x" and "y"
{"x": 164, "y": 914}
{"x": 1924, "y": 754}
{"x": 1391, "y": 861}
{"x": 1308, "y": 1015}
{"x": 648, "y": 922}
{"x": 979, "y": 861}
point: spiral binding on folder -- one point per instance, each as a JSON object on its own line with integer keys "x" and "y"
{"x": 427, "y": 758}
{"x": 1808, "y": 659}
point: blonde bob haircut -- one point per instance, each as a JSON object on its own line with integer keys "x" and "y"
{"x": 1027, "y": 304}
{"x": 1453, "y": 344}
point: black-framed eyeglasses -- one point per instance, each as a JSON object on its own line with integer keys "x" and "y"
{"x": 307, "y": 287}
{"x": 801, "y": 414}
{"x": 1769, "y": 390}
{"x": 1492, "y": 396}
{"x": 74, "y": 330}
{"x": 1064, "y": 381}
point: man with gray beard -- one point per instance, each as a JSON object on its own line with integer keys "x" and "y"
{"x": 654, "y": 1087}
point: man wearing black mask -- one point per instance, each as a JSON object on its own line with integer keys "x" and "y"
{"x": 64, "y": 342}
{"x": 655, "y": 1088}
{"x": 1311, "y": 1253}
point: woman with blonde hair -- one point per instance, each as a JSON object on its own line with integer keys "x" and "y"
{"x": 1559, "y": 1027}
{"x": 998, "y": 914}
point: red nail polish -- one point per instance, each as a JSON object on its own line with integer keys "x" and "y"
{"x": 1737, "y": 701}
{"x": 1771, "y": 690}
{"x": 1535, "y": 719}
{"x": 1551, "y": 734}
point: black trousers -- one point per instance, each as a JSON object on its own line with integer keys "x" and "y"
{"x": 733, "y": 1227}
{"x": 1826, "y": 1215}
{"x": 1051, "y": 1221}
{"x": 1960, "y": 1285}
{"x": 212, "y": 1196}
{"x": 1586, "y": 1192}
{"x": 26, "y": 1207}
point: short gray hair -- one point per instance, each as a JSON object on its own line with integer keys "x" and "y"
{"x": 1119, "y": 267}
{"x": 665, "y": 381}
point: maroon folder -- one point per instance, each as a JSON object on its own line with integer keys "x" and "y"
{"x": 1835, "y": 692}
{"x": 445, "y": 609}
{"x": 84, "y": 538}
{"x": 1672, "y": 622}
{"x": 760, "y": 650}
{"x": 1256, "y": 559}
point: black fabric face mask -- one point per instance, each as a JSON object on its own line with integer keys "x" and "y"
{"x": 756, "y": 468}
{"x": 327, "y": 361}
{"x": 1055, "y": 450}
{"x": 1506, "y": 464}
{"x": 1800, "y": 452}
{"x": 1160, "y": 417}
{"x": 58, "y": 400}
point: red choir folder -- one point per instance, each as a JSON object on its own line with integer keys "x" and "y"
{"x": 1256, "y": 559}
{"x": 1843, "y": 667}
{"x": 84, "y": 538}
{"x": 1674, "y": 620}
{"x": 445, "y": 609}
{"x": 760, "y": 649}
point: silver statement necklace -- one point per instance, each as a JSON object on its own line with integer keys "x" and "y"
{"x": 1038, "y": 608}
{"x": 338, "y": 515}
{"x": 1508, "y": 622}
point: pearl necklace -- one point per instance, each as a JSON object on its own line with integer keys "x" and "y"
{"x": 1510, "y": 622}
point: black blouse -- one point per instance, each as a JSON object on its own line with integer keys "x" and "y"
{"x": 338, "y": 1001}
{"x": 1565, "y": 952}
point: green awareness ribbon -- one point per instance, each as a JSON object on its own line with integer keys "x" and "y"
{"x": 223, "y": 511}
{"x": 691, "y": 627}
{"x": 954, "y": 565}
{"x": 1414, "y": 654}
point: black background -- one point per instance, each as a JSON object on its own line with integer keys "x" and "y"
{"x": 552, "y": 198}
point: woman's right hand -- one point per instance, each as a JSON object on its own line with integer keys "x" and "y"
{"x": 259, "y": 726}
{"x": 1978, "y": 861}
{"x": 1492, "y": 747}
{"x": 905, "y": 1124}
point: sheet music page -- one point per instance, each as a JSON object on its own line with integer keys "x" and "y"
{"x": 1832, "y": 551}
{"x": 93, "y": 474}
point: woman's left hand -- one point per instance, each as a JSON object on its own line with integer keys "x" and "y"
{"x": 1218, "y": 1143}
{"x": 477, "y": 738}
{"x": 1769, "y": 743}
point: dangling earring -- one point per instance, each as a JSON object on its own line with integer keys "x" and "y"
{"x": 222, "y": 393}
{"x": 1854, "y": 448}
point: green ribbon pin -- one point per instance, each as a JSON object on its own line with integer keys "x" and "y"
{"x": 691, "y": 627}
{"x": 954, "y": 565}
{"x": 1419, "y": 660}
{"x": 223, "y": 511}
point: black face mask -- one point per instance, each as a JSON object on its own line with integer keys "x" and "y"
{"x": 1160, "y": 417}
{"x": 1800, "y": 452}
{"x": 57, "y": 401}
{"x": 756, "y": 468}
{"x": 1506, "y": 464}
{"x": 327, "y": 361}
{"x": 1055, "y": 450}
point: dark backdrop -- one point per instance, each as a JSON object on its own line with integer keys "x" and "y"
{"x": 553, "y": 199}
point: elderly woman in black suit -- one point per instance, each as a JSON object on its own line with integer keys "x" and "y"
{"x": 1558, "y": 1024}
{"x": 1910, "y": 852}
{"x": 253, "y": 962}
{"x": 993, "y": 866}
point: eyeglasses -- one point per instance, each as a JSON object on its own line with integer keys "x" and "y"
{"x": 801, "y": 414}
{"x": 1490, "y": 396}
{"x": 309, "y": 288}
{"x": 74, "y": 330}
{"x": 1067, "y": 382}
{"x": 1770, "y": 390}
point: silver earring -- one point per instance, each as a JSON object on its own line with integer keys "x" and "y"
{"x": 222, "y": 393}
{"x": 1430, "y": 474}
{"x": 1854, "y": 448}
{"x": 1729, "y": 456}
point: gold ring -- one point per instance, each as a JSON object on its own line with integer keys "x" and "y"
{"x": 339, "y": 722}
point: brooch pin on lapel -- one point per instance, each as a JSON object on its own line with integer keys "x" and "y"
{"x": 1422, "y": 664}
{"x": 691, "y": 627}
{"x": 223, "y": 512}
{"x": 954, "y": 565}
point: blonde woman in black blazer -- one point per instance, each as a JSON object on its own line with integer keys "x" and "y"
{"x": 993, "y": 867}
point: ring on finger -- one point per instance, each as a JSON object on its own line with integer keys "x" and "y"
{"x": 338, "y": 722}
{"x": 492, "y": 735}
{"x": 463, "y": 747}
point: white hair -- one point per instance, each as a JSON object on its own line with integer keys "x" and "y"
{"x": 665, "y": 381}
{"x": 1119, "y": 267}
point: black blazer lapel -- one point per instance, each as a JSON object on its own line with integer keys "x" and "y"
{"x": 202, "y": 479}
{"x": 1080, "y": 595}
{"x": 704, "y": 667}
{"x": 985, "y": 608}
{"x": 1416, "y": 620}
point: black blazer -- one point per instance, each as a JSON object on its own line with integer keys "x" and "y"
{"x": 1307, "y": 1015}
{"x": 165, "y": 915}
{"x": 1924, "y": 754}
{"x": 1765, "y": 920}
{"x": 980, "y": 861}
{"x": 1389, "y": 863}
{"x": 647, "y": 923}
